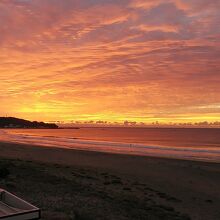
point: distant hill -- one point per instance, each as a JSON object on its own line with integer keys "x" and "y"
{"x": 10, "y": 122}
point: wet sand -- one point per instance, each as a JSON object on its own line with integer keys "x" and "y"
{"x": 71, "y": 184}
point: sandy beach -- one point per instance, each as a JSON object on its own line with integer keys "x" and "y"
{"x": 110, "y": 109}
{"x": 72, "y": 184}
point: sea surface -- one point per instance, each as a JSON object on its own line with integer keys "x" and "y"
{"x": 180, "y": 143}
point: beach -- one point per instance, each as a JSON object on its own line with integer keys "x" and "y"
{"x": 110, "y": 110}
{"x": 74, "y": 184}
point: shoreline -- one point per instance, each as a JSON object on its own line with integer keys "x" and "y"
{"x": 150, "y": 151}
{"x": 198, "y": 146}
{"x": 194, "y": 183}
{"x": 51, "y": 147}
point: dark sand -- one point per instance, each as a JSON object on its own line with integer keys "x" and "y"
{"x": 83, "y": 185}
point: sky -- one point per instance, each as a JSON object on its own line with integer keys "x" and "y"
{"x": 135, "y": 60}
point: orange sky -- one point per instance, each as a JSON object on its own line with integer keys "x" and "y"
{"x": 110, "y": 60}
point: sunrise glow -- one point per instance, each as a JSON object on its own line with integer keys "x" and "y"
{"x": 138, "y": 60}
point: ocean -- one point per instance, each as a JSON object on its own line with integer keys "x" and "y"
{"x": 179, "y": 143}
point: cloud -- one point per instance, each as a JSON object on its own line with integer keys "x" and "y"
{"x": 109, "y": 60}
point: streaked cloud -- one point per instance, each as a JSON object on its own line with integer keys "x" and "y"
{"x": 110, "y": 60}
